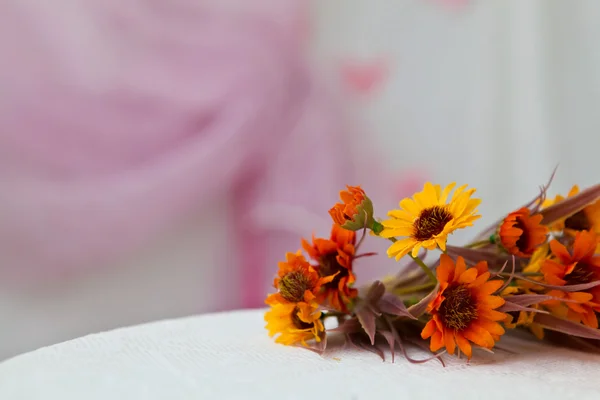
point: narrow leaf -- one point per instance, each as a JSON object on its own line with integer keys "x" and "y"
{"x": 527, "y": 299}
{"x": 389, "y": 337}
{"x": 375, "y": 292}
{"x": 392, "y": 305}
{"x": 509, "y": 307}
{"x": 367, "y": 321}
{"x": 570, "y": 328}
{"x": 473, "y": 256}
{"x": 570, "y": 205}
{"x": 373, "y": 349}
{"x": 418, "y": 309}
{"x": 566, "y": 288}
{"x": 351, "y": 325}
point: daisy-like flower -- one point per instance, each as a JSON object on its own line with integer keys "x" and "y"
{"x": 585, "y": 219}
{"x": 355, "y": 211}
{"x": 582, "y": 266}
{"x": 334, "y": 257}
{"x": 520, "y": 233}
{"x": 428, "y": 218}
{"x": 296, "y": 281}
{"x": 464, "y": 309}
{"x": 295, "y": 323}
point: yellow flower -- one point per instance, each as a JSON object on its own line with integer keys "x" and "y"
{"x": 583, "y": 220}
{"x": 427, "y": 219}
{"x": 294, "y": 323}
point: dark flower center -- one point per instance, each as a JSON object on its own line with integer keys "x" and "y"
{"x": 578, "y": 221}
{"x": 298, "y": 323}
{"x": 293, "y": 285}
{"x": 523, "y": 241}
{"x": 329, "y": 266}
{"x": 431, "y": 221}
{"x": 582, "y": 273}
{"x": 458, "y": 308}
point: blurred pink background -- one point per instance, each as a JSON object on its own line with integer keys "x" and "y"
{"x": 158, "y": 158}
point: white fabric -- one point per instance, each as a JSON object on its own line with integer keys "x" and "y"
{"x": 229, "y": 356}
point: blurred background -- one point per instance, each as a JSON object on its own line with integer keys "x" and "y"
{"x": 158, "y": 158}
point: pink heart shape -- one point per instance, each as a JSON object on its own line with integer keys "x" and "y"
{"x": 363, "y": 76}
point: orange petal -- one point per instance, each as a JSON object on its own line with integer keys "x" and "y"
{"x": 492, "y": 327}
{"x": 490, "y": 287}
{"x": 481, "y": 279}
{"x": 449, "y": 341}
{"x": 492, "y": 301}
{"x": 560, "y": 251}
{"x": 444, "y": 270}
{"x": 464, "y": 345}
{"x": 460, "y": 267}
{"x": 429, "y": 329}
{"x": 437, "y": 341}
{"x": 479, "y": 336}
{"x": 468, "y": 276}
{"x": 584, "y": 246}
{"x": 492, "y": 315}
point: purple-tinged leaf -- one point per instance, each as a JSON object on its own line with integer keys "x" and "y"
{"x": 350, "y": 340}
{"x": 351, "y": 325}
{"x": 423, "y": 346}
{"x": 527, "y": 299}
{"x": 375, "y": 292}
{"x": 510, "y": 277}
{"x": 318, "y": 347}
{"x": 418, "y": 309}
{"x": 367, "y": 321}
{"x": 567, "y": 288}
{"x": 570, "y": 328}
{"x": 392, "y": 305}
{"x": 473, "y": 256}
{"x": 389, "y": 337}
{"x": 373, "y": 349}
{"x": 570, "y": 205}
{"x": 510, "y": 307}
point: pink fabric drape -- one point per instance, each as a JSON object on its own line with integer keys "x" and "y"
{"x": 118, "y": 119}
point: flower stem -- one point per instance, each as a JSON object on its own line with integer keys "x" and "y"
{"x": 425, "y": 268}
{"x": 478, "y": 244}
{"x": 414, "y": 289}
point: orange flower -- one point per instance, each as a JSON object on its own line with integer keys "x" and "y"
{"x": 334, "y": 257}
{"x": 464, "y": 309}
{"x": 295, "y": 323}
{"x": 356, "y": 210}
{"x": 521, "y": 233}
{"x": 297, "y": 281}
{"x": 573, "y": 269}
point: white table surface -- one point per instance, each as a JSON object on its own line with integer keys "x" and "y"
{"x": 229, "y": 356}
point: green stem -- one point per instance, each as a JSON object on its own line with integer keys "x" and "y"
{"x": 476, "y": 245}
{"x": 425, "y": 268}
{"x": 414, "y": 289}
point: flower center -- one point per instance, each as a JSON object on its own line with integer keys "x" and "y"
{"x": 523, "y": 241}
{"x": 298, "y": 323}
{"x": 578, "y": 221}
{"x": 293, "y": 285}
{"x": 431, "y": 222}
{"x": 331, "y": 266}
{"x": 458, "y": 308}
{"x": 582, "y": 273}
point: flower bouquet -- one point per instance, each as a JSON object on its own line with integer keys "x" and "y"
{"x": 536, "y": 270}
